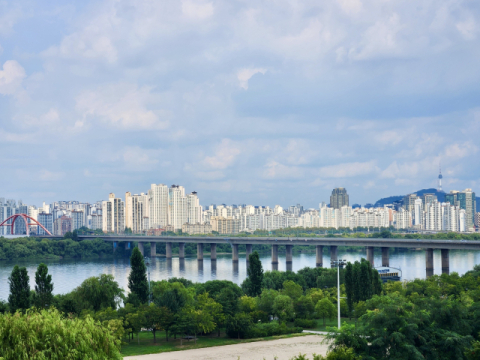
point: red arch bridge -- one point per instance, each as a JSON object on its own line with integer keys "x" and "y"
{"x": 26, "y": 219}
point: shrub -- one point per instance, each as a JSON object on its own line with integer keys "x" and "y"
{"x": 305, "y": 323}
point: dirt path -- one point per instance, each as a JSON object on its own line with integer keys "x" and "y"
{"x": 282, "y": 349}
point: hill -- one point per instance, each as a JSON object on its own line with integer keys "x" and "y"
{"x": 392, "y": 199}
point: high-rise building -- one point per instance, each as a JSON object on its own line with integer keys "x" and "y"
{"x": 158, "y": 217}
{"x": 409, "y": 202}
{"x": 134, "y": 212}
{"x": 78, "y": 219}
{"x": 194, "y": 210}
{"x": 47, "y": 221}
{"x": 339, "y": 198}
{"x": 466, "y": 200}
{"x": 62, "y": 225}
{"x": 418, "y": 213}
{"x": 113, "y": 215}
{"x": 177, "y": 207}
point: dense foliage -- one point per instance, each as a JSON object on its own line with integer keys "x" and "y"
{"x": 50, "y": 335}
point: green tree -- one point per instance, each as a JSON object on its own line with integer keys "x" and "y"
{"x": 206, "y": 303}
{"x": 157, "y": 318}
{"x": 136, "y": 321}
{"x": 43, "y": 287}
{"x": 48, "y": 335}
{"x": 266, "y": 299}
{"x": 365, "y": 281}
{"x": 19, "y": 298}
{"x": 255, "y": 275}
{"x": 239, "y": 325}
{"x": 349, "y": 285}
{"x": 96, "y": 293}
{"x": 75, "y": 235}
{"x": 294, "y": 291}
{"x": 325, "y": 309}
{"x": 137, "y": 279}
{"x": 283, "y": 307}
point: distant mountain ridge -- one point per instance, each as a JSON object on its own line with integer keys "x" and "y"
{"x": 391, "y": 199}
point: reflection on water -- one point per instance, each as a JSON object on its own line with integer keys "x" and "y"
{"x": 68, "y": 274}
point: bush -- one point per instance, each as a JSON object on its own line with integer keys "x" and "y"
{"x": 49, "y": 335}
{"x": 306, "y": 324}
{"x": 271, "y": 329}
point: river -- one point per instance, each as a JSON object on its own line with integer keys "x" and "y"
{"x": 68, "y": 274}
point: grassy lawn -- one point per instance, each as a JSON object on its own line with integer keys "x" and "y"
{"x": 331, "y": 323}
{"x": 147, "y": 346}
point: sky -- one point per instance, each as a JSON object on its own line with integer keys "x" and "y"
{"x": 259, "y": 102}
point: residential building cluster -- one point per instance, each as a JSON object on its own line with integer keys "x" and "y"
{"x": 162, "y": 209}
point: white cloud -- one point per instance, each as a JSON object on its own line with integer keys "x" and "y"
{"x": 46, "y": 175}
{"x": 347, "y": 170}
{"x": 458, "y": 151}
{"x": 11, "y": 77}
{"x": 246, "y": 74}
{"x": 225, "y": 155}
{"x": 197, "y": 10}
{"x": 468, "y": 28}
{"x": 121, "y": 106}
{"x": 138, "y": 159}
{"x": 275, "y": 170}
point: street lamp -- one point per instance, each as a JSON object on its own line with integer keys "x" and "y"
{"x": 147, "y": 262}
{"x": 337, "y": 264}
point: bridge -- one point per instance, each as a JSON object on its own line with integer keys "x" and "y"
{"x": 333, "y": 243}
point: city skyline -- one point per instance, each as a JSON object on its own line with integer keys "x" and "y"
{"x": 241, "y": 101}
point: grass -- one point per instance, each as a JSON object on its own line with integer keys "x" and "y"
{"x": 146, "y": 345}
{"x": 331, "y": 323}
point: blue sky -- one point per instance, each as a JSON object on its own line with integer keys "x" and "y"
{"x": 257, "y": 102}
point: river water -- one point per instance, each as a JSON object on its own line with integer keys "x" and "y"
{"x": 68, "y": 274}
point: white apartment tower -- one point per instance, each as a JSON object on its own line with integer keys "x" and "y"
{"x": 177, "y": 207}
{"x": 113, "y": 215}
{"x": 134, "y": 212}
{"x": 158, "y": 206}
{"x": 194, "y": 210}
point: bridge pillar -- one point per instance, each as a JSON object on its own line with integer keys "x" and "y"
{"x": 181, "y": 250}
{"x": 248, "y": 251}
{"x": 370, "y": 255}
{"x": 115, "y": 245}
{"x": 429, "y": 261}
{"x": 445, "y": 261}
{"x": 235, "y": 253}
{"x": 153, "y": 249}
{"x": 385, "y": 257}
{"x": 127, "y": 245}
{"x": 140, "y": 247}
{"x": 213, "y": 252}
{"x": 200, "y": 252}
{"x": 289, "y": 256}
{"x": 333, "y": 253}
{"x": 274, "y": 257}
{"x": 319, "y": 257}
{"x": 168, "y": 250}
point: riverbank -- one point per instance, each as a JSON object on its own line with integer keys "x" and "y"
{"x": 283, "y": 348}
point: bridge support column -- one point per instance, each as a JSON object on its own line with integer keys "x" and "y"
{"x": 333, "y": 253}
{"x": 115, "y": 245}
{"x": 127, "y": 245}
{"x": 274, "y": 257}
{"x": 213, "y": 252}
{"x": 181, "y": 250}
{"x": 385, "y": 257}
{"x": 370, "y": 255}
{"x": 140, "y": 247}
{"x": 248, "y": 251}
{"x": 153, "y": 249}
{"x": 200, "y": 252}
{"x": 445, "y": 261}
{"x": 235, "y": 253}
{"x": 429, "y": 261}
{"x": 289, "y": 256}
{"x": 319, "y": 256}
{"x": 168, "y": 250}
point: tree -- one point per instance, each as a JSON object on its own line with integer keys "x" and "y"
{"x": 229, "y": 301}
{"x": 283, "y": 307}
{"x": 349, "y": 285}
{"x": 206, "y": 303}
{"x": 75, "y": 235}
{"x": 239, "y": 325}
{"x": 365, "y": 280}
{"x": 96, "y": 293}
{"x": 255, "y": 275}
{"x": 43, "y": 287}
{"x": 48, "y": 335}
{"x": 19, "y": 298}
{"x": 304, "y": 307}
{"x": 294, "y": 291}
{"x": 325, "y": 309}
{"x": 266, "y": 299}
{"x": 137, "y": 279}
{"x": 137, "y": 321}
{"x": 157, "y": 318}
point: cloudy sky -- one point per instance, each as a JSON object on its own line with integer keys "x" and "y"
{"x": 252, "y": 101}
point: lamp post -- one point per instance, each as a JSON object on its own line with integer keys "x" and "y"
{"x": 147, "y": 262}
{"x": 337, "y": 264}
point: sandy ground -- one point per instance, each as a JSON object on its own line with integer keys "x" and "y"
{"x": 282, "y": 349}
